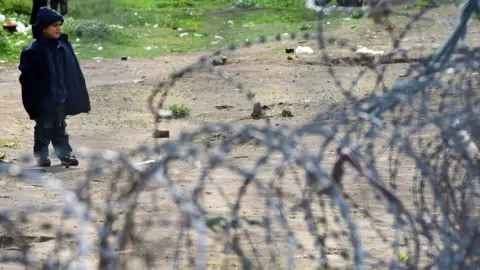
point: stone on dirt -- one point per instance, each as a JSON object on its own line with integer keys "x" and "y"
{"x": 287, "y": 113}
{"x": 219, "y": 60}
{"x": 222, "y": 107}
{"x": 257, "y": 111}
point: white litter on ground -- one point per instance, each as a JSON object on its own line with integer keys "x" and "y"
{"x": 366, "y": 51}
{"x": 21, "y": 28}
{"x": 303, "y": 49}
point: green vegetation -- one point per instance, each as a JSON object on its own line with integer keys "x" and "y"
{"x": 12, "y": 144}
{"x": 116, "y": 28}
{"x": 403, "y": 257}
{"x": 179, "y": 110}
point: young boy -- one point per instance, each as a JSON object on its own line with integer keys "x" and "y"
{"x": 53, "y": 86}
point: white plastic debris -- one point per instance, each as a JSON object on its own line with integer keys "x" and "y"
{"x": 116, "y": 26}
{"x": 184, "y": 34}
{"x": 100, "y": 48}
{"x": 77, "y": 40}
{"x": 303, "y": 49}
{"x": 149, "y": 48}
{"x": 155, "y": 26}
{"x": 219, "y": 37}
{"x": 366, "y": 51}
{"x": 2, "y": 18}
{"x": 21, "y": 27}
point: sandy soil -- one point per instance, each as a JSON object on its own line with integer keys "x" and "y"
{"x": 120, "y": 121}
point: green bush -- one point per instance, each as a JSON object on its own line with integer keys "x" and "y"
{"x": 270, "y": 3}
{"x": 4, "y": 44}
{"x": 17, "y": 6}
{"x": 425, "y": 3}
{"x": 90, "y": 29}
{"x": 246, "y": 3}
{"x": 357, "y": 14}
{"x": 179, "y": 110}
{"x": 7, "y": 48}
{"x": 90, "y": 9}
{"x": 174, "y": 3}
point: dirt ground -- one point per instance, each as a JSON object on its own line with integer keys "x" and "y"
{"x": 120, "y": 121}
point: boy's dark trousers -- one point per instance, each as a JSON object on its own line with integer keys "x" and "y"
{"x": 52, "y": 130}
{"x": 55, "y": 4}
{"x": 37, "y": 4}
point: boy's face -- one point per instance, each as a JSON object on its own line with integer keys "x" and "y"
{"x": 53, "y": 31}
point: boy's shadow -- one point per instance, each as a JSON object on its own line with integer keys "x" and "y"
{"x": 58, "y": 168}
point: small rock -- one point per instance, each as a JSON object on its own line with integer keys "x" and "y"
{"x": 289, "y": 58}
{"x": 257, "y": 111}
{"x": 287, "y": 113}
{"x": 265, "y": 107}
{"x": 124, "y": 58}
{"x": 289, "y": 50}
{"x": 221, "y": 107}
{"x": 219, "y": 61}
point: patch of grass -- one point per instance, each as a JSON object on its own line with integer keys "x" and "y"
{"x": 3, "y": 155}
{"x": 175, "y": 3}
{"x": 127, "y": 123}
{"x": 12, "y": 44}
{"x": 150, "y": 28}
{"x": 12, "y": 144}
{"x": 179, "y": 110}
{"x": 16, "y": 6}
{"x": 212, "y": 138}
{"x": 357, "y": 14}
{"x": 403, "y": 257}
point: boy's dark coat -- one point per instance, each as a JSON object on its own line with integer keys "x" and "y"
{"x": 38, "y": 70}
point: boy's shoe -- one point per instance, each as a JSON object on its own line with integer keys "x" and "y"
{"x": 69, "y": 161}
{"x": 43, "y": 162}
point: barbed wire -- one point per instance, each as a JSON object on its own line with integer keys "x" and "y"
{"x": 424, "y": 128}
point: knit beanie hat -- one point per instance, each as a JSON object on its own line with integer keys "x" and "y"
{"x": 45, "y": 17}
